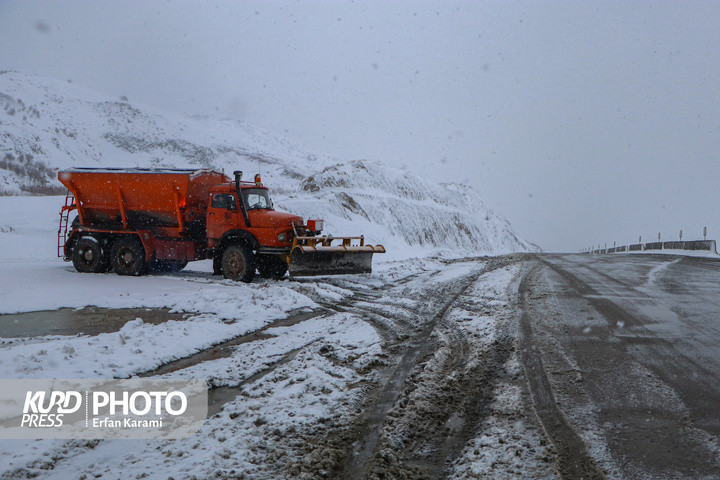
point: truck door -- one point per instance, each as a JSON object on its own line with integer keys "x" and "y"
{"x": 222, "y": 214}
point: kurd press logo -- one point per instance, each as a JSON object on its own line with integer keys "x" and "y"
{"x": 99, "y": 409}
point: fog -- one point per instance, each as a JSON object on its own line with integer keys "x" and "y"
{"x": 582, "y": 122}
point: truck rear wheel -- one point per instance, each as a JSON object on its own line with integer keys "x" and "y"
{"x": 238, "y": 263}
{"x": 88, "y": 256}
{"x": 128, "y": 256}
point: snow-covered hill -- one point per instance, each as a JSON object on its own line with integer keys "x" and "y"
{"x": 47, "y": 124}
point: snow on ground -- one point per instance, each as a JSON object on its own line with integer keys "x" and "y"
{"x": 293, "y": 379}
{"x": 511, "y": 445}
{"x": 295, "y": 375}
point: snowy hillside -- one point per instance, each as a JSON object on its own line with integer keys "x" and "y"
{"x": 47, "y": 124}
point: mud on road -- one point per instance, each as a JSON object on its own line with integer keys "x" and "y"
{"x": 521, "y": 366}
{"x": 450, "y": 399}
{"x": 432, "y": 387}
{"x": 608, "y": 364}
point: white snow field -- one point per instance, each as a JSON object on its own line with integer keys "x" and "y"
{"x": 289, "y": 362}
{"x": 286, "y": 383}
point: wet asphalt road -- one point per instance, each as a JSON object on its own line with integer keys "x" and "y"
{"x": 630, "y": 350}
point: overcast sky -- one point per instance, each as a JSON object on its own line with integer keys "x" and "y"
{"x": 582, "y": 122}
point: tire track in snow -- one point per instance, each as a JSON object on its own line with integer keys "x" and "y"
{"x": 225, "y": 349}
{"x": 363, "y": 455}
{"x": 366, "y": 442}
{"x": 573, "y": 457}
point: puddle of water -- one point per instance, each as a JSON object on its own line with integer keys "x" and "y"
{"x": 86, "y": 321}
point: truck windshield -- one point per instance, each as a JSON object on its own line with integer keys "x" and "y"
{"x": 256, "y": 198}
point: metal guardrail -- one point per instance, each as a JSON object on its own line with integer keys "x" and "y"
{"x": 690, "y": 245}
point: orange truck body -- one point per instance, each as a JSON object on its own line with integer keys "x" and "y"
{"x": 170, "y": 198}
{"x": 135, "y": 219}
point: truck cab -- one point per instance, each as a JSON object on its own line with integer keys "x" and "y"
{"x": 251, "y": 221}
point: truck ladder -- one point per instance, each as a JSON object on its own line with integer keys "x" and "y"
{"x": 64, "y": 217}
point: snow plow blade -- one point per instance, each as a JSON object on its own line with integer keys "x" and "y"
{"x": 308, "y": 260}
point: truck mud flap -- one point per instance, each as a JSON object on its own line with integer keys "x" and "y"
{"x": 308, "y": 261}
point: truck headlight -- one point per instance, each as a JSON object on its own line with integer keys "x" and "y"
{"x": 282, "y": 237}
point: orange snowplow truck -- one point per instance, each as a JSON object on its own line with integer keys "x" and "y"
{"x": 137, "y": 220}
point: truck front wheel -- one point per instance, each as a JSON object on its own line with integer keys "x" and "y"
{"x": 88, "y": 256}
{"x": 238, "y": 263}
{"x": 128, "y": 256}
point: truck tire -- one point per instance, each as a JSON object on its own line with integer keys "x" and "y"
{"x": 128, "y": 256}
{"x": 88, "y": 256}
{"x": 271, "y": 266}
{"x": 238, "y": 263}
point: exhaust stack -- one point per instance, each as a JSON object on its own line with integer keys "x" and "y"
{"x": 238, "y": 176}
